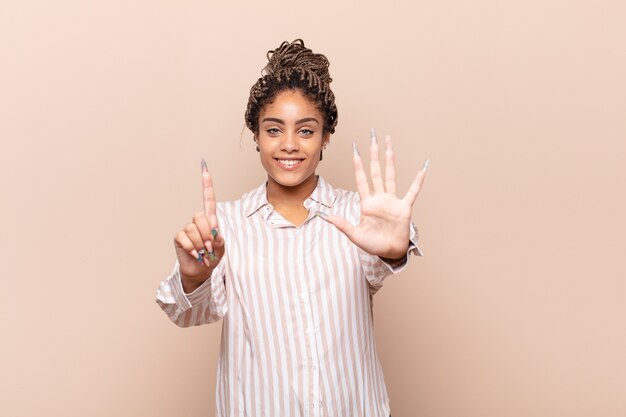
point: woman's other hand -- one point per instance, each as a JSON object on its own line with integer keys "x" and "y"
{"x": 383, "y": 228}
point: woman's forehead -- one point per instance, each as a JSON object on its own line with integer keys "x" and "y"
{"x": 290, "y": 105}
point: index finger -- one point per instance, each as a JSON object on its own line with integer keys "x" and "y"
{"x": 208, "y": 194}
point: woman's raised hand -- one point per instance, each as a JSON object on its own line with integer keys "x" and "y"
{"x": 199, "y": 245}
{"x": 383, "y": 229}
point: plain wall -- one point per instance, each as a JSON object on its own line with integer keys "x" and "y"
{"x": 518, "y": 306}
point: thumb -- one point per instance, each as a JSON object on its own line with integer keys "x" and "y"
{"x": 340, "y": 223}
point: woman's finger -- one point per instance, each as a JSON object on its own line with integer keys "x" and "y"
{"x": 218, "y": 238}
{"x": 208, "y": 194}
{"x": 202, "y": 224}
{"x": 375, "y": 171}
{"x": 340, "y": 223}
{"x": 194, "y": 235}
{"x": 415, "y": 187}
{"x": 184, "y": 242}
{"x": 211, "y": 254}
{"x": 215, "y": 231}
{"x": 359, "y": 174}
{"x": 218, "y": 242}
{"x": 390, "y": 167}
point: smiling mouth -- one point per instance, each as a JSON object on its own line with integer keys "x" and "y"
{"x": 289, "y": 163}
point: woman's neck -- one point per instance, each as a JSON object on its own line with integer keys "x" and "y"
{"x": 280, "y": 195}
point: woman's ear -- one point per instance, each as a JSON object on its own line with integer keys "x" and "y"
{"x": 256, "y": 140}
{"x": 325, "y": 140}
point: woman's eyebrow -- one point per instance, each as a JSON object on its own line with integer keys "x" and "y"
{"x": 307, "y": 119}
{"x": 280, "y": 121}
{"x": 273, "y": 119}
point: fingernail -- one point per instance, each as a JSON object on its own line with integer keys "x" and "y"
{"x": 425, "y": 167}
{"x": 373, "y": 136}
{"x": 355, "y": 151}
{"x": 321, "y": 214}
{"x": 208, "y": 245}
{"x": 203, "y": 165}
{"x": 195, "y": 253}
{"x": 214, "y": 233}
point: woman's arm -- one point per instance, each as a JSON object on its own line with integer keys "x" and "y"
{"x": 194, "y": 294}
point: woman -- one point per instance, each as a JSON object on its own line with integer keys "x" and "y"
{"x": 285, "y": 268}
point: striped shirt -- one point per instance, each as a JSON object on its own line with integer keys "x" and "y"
{"x": 297, "y": 337}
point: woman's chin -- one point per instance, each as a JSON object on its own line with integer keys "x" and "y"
{"x": 289, "y": 179}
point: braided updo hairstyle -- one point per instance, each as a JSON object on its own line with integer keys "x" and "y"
{"x": 292, "y": 66}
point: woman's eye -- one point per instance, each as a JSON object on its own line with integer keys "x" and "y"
{"x": 273, "y": 131}
{"x": 306, "y": 132}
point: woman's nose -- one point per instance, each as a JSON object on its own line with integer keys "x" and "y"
{"x": 289, "y": 143}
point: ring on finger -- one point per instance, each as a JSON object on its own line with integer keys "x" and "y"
{"x": 201, "y": 254}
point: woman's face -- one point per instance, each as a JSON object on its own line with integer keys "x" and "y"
{"x": 290, "y": 138}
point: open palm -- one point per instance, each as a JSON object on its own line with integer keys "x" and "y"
{"x": 383, "y": 229}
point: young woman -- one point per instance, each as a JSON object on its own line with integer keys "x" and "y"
{"x": 292, "y": 266}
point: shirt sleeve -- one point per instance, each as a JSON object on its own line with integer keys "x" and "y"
{"x": 376, "y": 268}
{"x": 206, "y": 304}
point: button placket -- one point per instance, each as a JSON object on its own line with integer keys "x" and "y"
{"x": 311, "y": 329}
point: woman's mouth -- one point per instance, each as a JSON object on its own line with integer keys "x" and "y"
{"x": 289, "y": 163}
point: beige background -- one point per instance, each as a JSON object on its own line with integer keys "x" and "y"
{"x": 518, "y": 307}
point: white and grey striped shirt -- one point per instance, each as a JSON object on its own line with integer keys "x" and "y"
{"x": 297, "y": 337}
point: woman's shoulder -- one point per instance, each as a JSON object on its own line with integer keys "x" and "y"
{"x": 341, "y": 201}
{"x": 244, "y": 205}
{"x": 230, "y": 213}
{"x": 346, "y": 199}
{"x": 230, "y": 207}
{"x": 340, "y": 196}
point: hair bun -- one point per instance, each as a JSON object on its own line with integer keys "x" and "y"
{"x": 292, "y": 66}
{"x": 295, "y": 57}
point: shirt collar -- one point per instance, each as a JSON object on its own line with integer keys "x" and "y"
{"x": 323, "y": 193}
{"x": 257, "y": 198}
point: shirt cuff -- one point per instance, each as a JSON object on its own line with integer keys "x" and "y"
{"x": 186, "y": 301}
{"x": 412, "y": 249}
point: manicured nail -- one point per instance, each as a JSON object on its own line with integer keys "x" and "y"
{"x": 214, "y": 233}
{"x": 354, "y": 149}
{"x": 208, "y": 245}
{"x": 373, "y": 136}
{"x": 203, "y": 165}
{"x": 196, "y": 255}
{"x": 425, "y": 167}
{"x": 321, "y": 214}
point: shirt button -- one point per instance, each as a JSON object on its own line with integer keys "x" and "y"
{"x": 308, "y": 330}
{"x": 303, "y": 295}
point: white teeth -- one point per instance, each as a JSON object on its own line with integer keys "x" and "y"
{"x": 289, "y": 162}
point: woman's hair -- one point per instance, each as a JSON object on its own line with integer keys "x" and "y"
{"x": 292, "y": 66}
